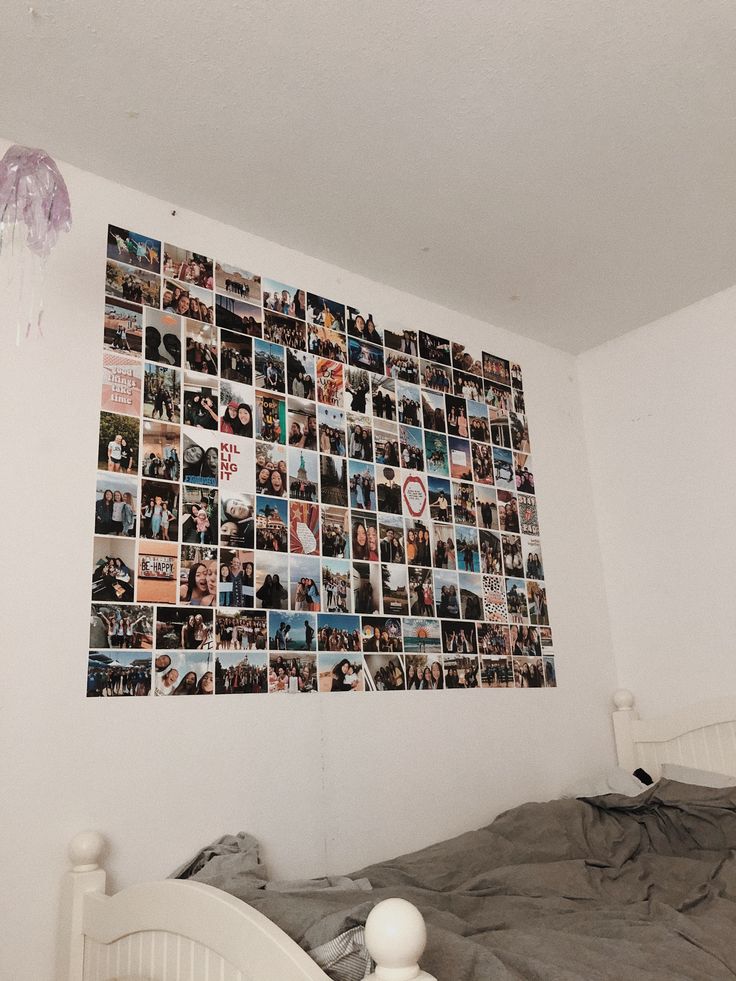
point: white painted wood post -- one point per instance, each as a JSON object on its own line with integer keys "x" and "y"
{"x": 85, "y": 852}
{"x": 396, "y": 935}
{"x": 623, "y": 717}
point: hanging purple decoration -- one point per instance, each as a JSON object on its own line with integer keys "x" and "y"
{"x": 34, "y": 209}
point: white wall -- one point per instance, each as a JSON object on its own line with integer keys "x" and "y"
{"x": 660, "y": 415}
{"x": 162, "y": 777}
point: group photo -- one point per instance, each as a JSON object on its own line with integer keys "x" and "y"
{"x": 116, "y": 505}
{"x": 113, "y": 570}
{"x": 233, "y": 281}
{"x": 340, "y": 674}
{"x": 338, "y": 633}
{"x": 384, "y": 672}
{"x": 237, "y": 673}
{"x": 134, "y": 249}
{"x": 292, "y": 675}
{"x": 180, "y": 629}
{"x": 123, "y": 327}
{"x": 292, "y": 631}
{"x": 120, "y": 626}
{"x": 184, "y": 673}
{"x": 126, "y": 673}
{"x": 241, "y": 630}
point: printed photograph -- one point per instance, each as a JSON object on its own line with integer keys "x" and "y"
{"x": 241, "y": 630}
{"x": 529, "y": 522}
{"x": 305, "y": 581}
{"x": 433, "y": 348}
{"x": 157, "y": 572}
{"x": 238, "y": 283}
{"x": 287, "y": 300}
{"x": 386, "y": 444}
{"x": 133, "y": 249}
{"x": 343, "y": 674}
{"x": 187, "y": 300}
{"x": 537, "y": 603}
{"x": 269, "y": 363}
{"x": 236, "y": 586}
{"x": 461, "y": 671}
{"x": 440, "y": 498}
{"x": 411, "y": 446}
{"x": 498, "y": 400}
{"x": 491, "y": 558}
{"x": 383, "y": 398}
{"x": 188, "y": 673}
{"x": 458, "y": 637}
{"x": 513, "y": 560}
{"x": 533, "y": 565}
{"x": 471, "y": 595}
{"x": 381, "y": 635}
{"x": 129, "y": 283}
{"x": 181, "y": 630}
{"x": 482, "y": 456}
{"x": 292, "y": 631}
{"x": 358, "y": 391}
{"x": 388, "y": 490}
{"x": 201, "y": 354}
{"x": 508, "y": 512}
{"x": 303, "y": 528}
{"x": 338, "y": 633}
{"x": 516, "y": 601}
{"x": 333, "y": 480}
{"x": 422, "y": 636}
{"x": 236, "y": 358}
{"x": 402, "y": 367}
{"x": 364, "y": 537}
{"x": 120, "y": 626}
{"x": 408, "y": 403}
{"x": 384, "y": 672}
{"x": 188, "y": 267}
{"x": 518, "y": 400}
{"x": 433, "y": 411}
{"x": 503, "y": 467}
{"x": 161, "y": 393}
{"x": 335, "y": 522}
{"x": 302, "y": 423}
{"x": 494, "y": 639}
{"x": 519, "y": 433}
{"x": 398, "y": 339}
{"x": 236, "y": 518}
{"x": 124, "y": 673}
{"x": 486, "y": 505}
{"x": 272, "y": 524}
{"x": 284, "y": 330}
{"x": 270, "y": 417}
{"x": 199, "y": 516}
{"x": 480, "y": 429}
{"x": 271, "y": 473}
{"x": 198, "y": 575}
{"x": 501, "y": 434}
{"x": 466, "y": 545}
{"x": 528, "y": 672}
{"x": 200, "y": 450}
{"x": 418, "y": 541}
{"x": 325, "y": 313}
{"x": 163, "y": 337}
{"x": 391, "y": 544}
{"x": 293, "y": 675}
{"x": 447, "y": 594}
{"x": 116, "y": 505}
{"x": 368, "y": 356}
{"x": 421, "y": 592}
{"x": 238, "y": 317}
{"x": 362, "y": 483}
{"x": 525, "y": 641}
{"x": 468, "y": 386}
{"x": 463, "y": 503}
{"x": 113, "y": 570}
{"x": 360, "y": 437}
{"x": 366, "y": 585}
{"x": 395, "y": 590}
{"x": 237, "y": 673}
{"x": 496, "y": 369}
{"x": 550, "y": 678}
{"x": 494, "y": 599}
{"x": 331, "y": 430}
{"x": 435, "y": 377}
{"x": 461, "y": 463}
{"x": 301, "y": 374}
{"x": 326, "y": 343}
{"x": 329, "y": 382}
{"x": 121, "y": 384}
{"x": 465, "y": 360}
{"x": 444, "y": 555}
{"x": 160, "y": 451}
{"x": 524, "y": 473}
{"x": 496, "y": 671}
{"x": 236, "y": 409}
{"x": 123, "y": 327}
{"x": 362, "y": 327}
{"x": 118, "y": 443}
{"x": 336, "y": 591}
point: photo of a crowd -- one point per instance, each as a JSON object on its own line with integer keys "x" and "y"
{"x": 292, "y": 497}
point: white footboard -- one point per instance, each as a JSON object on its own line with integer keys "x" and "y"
{"x": 186, "y": 931}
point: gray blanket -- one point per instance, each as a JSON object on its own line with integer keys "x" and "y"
{"x": 612, "y": 887}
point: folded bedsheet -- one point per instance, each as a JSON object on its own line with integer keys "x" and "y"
{"x": 603, "y": 888}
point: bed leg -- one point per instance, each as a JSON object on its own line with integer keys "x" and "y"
{"x": 85, "y": 852}
{"x": 396, "y": 935}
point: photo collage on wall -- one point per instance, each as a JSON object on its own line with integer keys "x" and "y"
{"x": 294, "y": 497}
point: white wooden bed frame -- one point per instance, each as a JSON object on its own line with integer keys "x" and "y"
{"x": 186, "y": 931}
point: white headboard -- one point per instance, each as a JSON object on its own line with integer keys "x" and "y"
{"x": 701, "y": 736}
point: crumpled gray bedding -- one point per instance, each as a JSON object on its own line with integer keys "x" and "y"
{"x": 605, "y": 888}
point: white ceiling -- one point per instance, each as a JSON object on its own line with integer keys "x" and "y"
{"x": 562, "y": 168}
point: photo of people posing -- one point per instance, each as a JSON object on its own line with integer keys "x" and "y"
{"x": 284, "y": 330}
{"x": 434, "y": 348}
{"x": 335, "y": 532}
{"x": 358, "y": 391}
{"x": 241, "y": 630}
{"x": 508, "y": 512}
{"x": 272, "y": 580}
{"x": 496, "y": 671}
{"x": 159, "y": 511}
{"x": 293, "y": 675}
{"x": 418, "y": 541}
{"x": 466, "y": 547}
{"x": 301, "y": 373}
{"x": 411, "y": 446}
{"x": 201, "y": 348}
{"x": 482, "y": 456}
{"x": 388, "y": 490}
{"x": 198, "y": 576}
{"x": 364, "y": 537}
{"x": 118, "y": 443}
{"x": 236, "y": 409}
{"x": 162, "y": 393}
{"x": 524, "y": 473}
{"x": 269, "y": 364}
{"x": 236, "y": 358}
{"x": 200, "y": 402}
{"x": 457, "y": 417}
{"x": 160, "y": 451}
{"x": 516, "y": 602}
{"x": 157, "y": 572}
{"x": 463, "y": 503}
{"x": 366, "y": 585}
{"x": 270, "y": 418}
{"x": 403, "y": 368}
{"x": 238, "y": 317}
{"x": 303, "y": 475}
{"x": 408, "y": 400}
{"x": 444, "y": 555}
{"x": 360, "y": 437}
{"x": 271, "y": 524}
{"x": 421, "y": 592}
{"x": 433, "y": 411}
{"x": 184, "y": 673}
{"x": 537, "y": 597}
{"x": 386, "y": 444}
{"x": 464, "y": 360}
{"x": 336, "y": 590}
{"x": 398, "y": 339}
{"x": 292, "y": 631}
{"x": 384, "y": 672}
{"x": 533, "y": 566}
{"x": 458, "y": 637}
{"x": 513, "y": 559}
{"x": 121, "y": 384}
{"x": 383, "y": 398}
{"x": 550, "y": 678}
{"x": 435, "y": 378}
{"x": 519, "y": 432}
{"x": 381, "y": 635}
{"x": 333, "y": 476}
{"x": 303, "y": 528}
{"x": 480, "y": 429}
{"x": 500, "y": 434}
{"x": 496, "y": 369}
{"x": 163, "y": 337}
{"x": 187, "y": 267}
{"x": 200, "y": 456}
{"x": 491, "y": 559}
{"x": 236, "y": 519}
{"x": 302, "y": 424}
{"x": 528, "y": 672}
{"x": 362, "y": 326}
{"x": 467, "y": 386}
{"x": 367, "y": 356}
{"x": 133, "y": 249}
{"x": 503, "y": 469}
{"x": 331, "y": 429}
{"x": 120, "y": 626}
{"x": 440, "y": 499}
{"x": 471, "y": 595}
{"x": 305, "y": 581}
{"x": 237, "y": 282}
{"x": 187, "y": 300}
{"x": 338, "y": 674}
{"x": 123, "y": 327}
{"x": 447, "y": 596}
{"x": 329, "y": 382}
{"x": 338, "y": 633}
{"x": 362, "y": 482}
{"x": 391, "y": 546}
{"x": 236, "y": 586}
{"x": 135, "y": 285}
{"x": 241, "y": 674}
{"x": 280, "y": 298}
{"x": 180, "y": 629}
{"x": 270, "y": 469}
{"x": 116, "y": 505}
{"x": 126, "y": 673}
{"x": 325, "y": 313}
{"x": 486, "y": 508}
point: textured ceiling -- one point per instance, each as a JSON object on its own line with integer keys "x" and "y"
{"x": 561, "y": 168}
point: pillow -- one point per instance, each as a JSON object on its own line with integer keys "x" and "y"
{"x": 615, "y": 781}
{"x": 698, "y": 778}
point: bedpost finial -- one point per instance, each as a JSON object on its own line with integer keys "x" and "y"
{"x": 85, "y": 850}
{"x": 396, "y": 935}
{"x": 623, "y": 699}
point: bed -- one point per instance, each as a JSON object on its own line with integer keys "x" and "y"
{"x": 594, "y": 888}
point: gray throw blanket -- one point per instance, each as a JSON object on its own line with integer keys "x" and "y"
{"x": 608, "y": 888}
